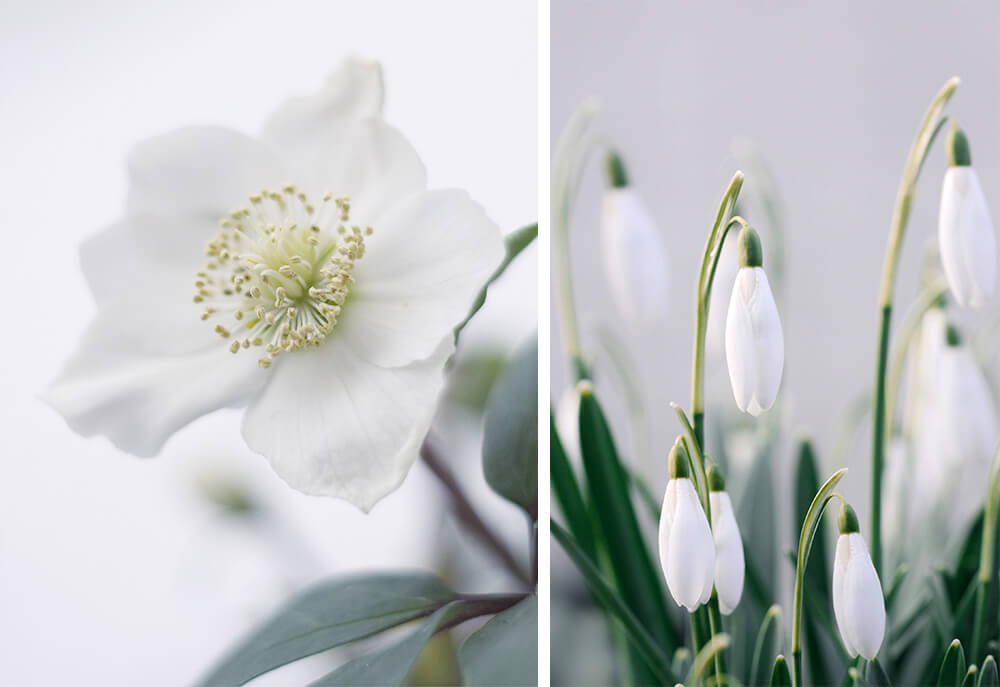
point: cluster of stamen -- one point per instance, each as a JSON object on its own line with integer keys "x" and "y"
{"x": 279, "y": 271}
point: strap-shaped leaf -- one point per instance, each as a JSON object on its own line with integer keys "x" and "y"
{"x": 953, "y": 666}
{"x": 568, "y": 493}
{"x": 780, "y": 675}
{"x": 768, "y": 641}
{"x": 330, "y": 614}
{"x": 505, "y": 650}
{"x": 988, "y": 675}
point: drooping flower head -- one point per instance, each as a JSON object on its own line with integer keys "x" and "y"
{"x": 755, "y": 345}
{"x": 687, "y": 551}
{"x": 307, "y": 274}
{"x": 635, "y": 258}
{"x": 729, "y": 562}
{"x": 965, "y": 229}
{"x": 858, "y": 604}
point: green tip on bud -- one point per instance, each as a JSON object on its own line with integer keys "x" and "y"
{"x": 748, "y": 248}
{"x": 952, "y": 336}
{"x": 677, "y": 462}
{"x": 959, "y": 154}
{"x": 848, "y": 520}
{"x": 617, "y": 178}
{"x": 716, "y": 482}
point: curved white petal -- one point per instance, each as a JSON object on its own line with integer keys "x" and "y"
{"x": 755, "y": 346}
{"x": 687, "y": 552}
{"x": 635, "y": 259}
{"x": 729, "y": 561}
{"x": 667, "y": 513}
{"x": 965, "y": 234}
{"x": 968, "y": 406}
{"x": 863, "y": 604}
{"x": 354, "y": 91}
{"x": 332, "y": 424}
{"x": 115, "y": 387}
{"x": 425, "y": 264}
{"x": 840, "y": 603}
{"x": 204, "y": 171}
{"x": 568, "y": 423}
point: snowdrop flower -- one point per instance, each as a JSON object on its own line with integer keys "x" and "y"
{"x": 635, "y": 258}
{"x": 729, "y": 563}
{"x": 324, "y": 303}
{"x": 857, "y": 593}
{"x": 755, "y": 347}
{"x": 687, "y": 552}
{"x": 965, "y": 230}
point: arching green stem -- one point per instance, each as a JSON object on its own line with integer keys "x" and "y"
{"x": 928, "y": 130}
{"x": 809, "y": 527}
{"x": 986, "y": 566}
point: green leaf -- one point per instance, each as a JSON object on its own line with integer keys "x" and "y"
{"x": 568, "y": 493}
{"x": 505, "y": 650}
{"x": 390, "y": 665}
{"x": 510, "y": 435}
{"x": 875, "y": 675}
{"x": 610, "y": 601}
{"x": 767, "y": 644}
{"x": 705, "y": 658}
{"x": 780, "y": 675}
{"x": 970, "y": 677}
{"x": 988, "y": 676}
{"x": 330, "y": 614}
{"x": 514, "y": 243}
{"x": 953, "y": 666}
{"x": 635, "y": 575}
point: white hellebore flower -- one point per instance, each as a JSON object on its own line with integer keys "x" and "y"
{"x": 755, "y": 346}
{"x": 324, "y": 303}
{"x": 965, "y": 230}
{"x": 857, "y": 593}
{"x": 729, "y": 563}
{"x": 635, "y": 258}
{"x": 687, "y": 552}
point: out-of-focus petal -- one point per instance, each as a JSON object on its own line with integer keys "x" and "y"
{"x": 966, "y": 238}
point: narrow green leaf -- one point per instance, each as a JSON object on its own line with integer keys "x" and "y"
{"x": 895, "y": 584}
{"x": 953, "y": 666}
{"x": 635, "y": 574}
{"x": 682, "y": 661}
{"x": 390, "y": 665}
{"x": 970, "y": 677}
{"x": 610, "y": 601}
{"x": 505, "y": 650}
{"x": 875, "y": 675}
{"x": 988, "y": 676}
{"x": 767, "y": 644}
{"x": 706, "y": 657}
{"x": 330, "y": 614}
{"x": 780, "y": 675}
{"x": 514, "y": 243}
{"x": 510, "y": 433}
{"x": 568, "y": 494}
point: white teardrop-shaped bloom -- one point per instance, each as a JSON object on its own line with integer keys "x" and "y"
{"x": 857, "y": 597}
{"x": 687, "y": 551}
{"x": 965, "y": 401}
{"x": 729, "y": 563}
{"x": 965, "y": 234}
{"x": 755, "y": 346}
{"x": 635, "y": 258}
{"x": 568, "y": 423}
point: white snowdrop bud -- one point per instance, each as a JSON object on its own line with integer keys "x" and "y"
{"x": 635, "y": 258}
{"x": 755, "y": 345}
{"x": 729, "y": 563}
{"x": 687, "y": 552}
{"x": 965, "y": 229}
{"x": 857, "y": 593}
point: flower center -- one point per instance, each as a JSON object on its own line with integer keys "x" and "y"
{"x": 279, "y": 271}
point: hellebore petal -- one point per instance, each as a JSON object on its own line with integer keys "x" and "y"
{"x": 858, "y": 604}
{"x": 729, "y": 561}
{"x": 965, "y": 234}
{"x": 635, "y": 258}
{"x": 755, "y": 345}
{"x": 687, "y": 551}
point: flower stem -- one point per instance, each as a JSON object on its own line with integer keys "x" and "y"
{"x": 468, "y": 516}
{"x": 918, "y": 152}
{"x": 985, "y": 575}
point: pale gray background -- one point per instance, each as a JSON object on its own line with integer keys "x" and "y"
{"x": 832, "y": 94}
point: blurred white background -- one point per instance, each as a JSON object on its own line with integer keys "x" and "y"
{"x": 832, "y": 94}
{"x": 112, "y": 570}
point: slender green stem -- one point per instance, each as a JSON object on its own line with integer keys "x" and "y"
{"x": 715, "y": 624}
{"x": 904, "y": 199}
{"x": 985, "y": 575}
{"x": 809, "y": 527}
{"x": 713, "y": 247}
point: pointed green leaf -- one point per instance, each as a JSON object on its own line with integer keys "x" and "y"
{"x": 706, "y": 657}
{"x": 510, "y": 432}
{"x": 330, "y": 614}
{"x": 505, "y": 650}
{"x": 988, "y": 676}
{"x": 780, "y": 675}
{"x": 767, "y": 644}
{"x": 875, "y": 675}
{"x": 953, "y": 666}
{"x": 568, "y": 494}
{"x": 970, "y": 677}
{"x": 610, "y": 601}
